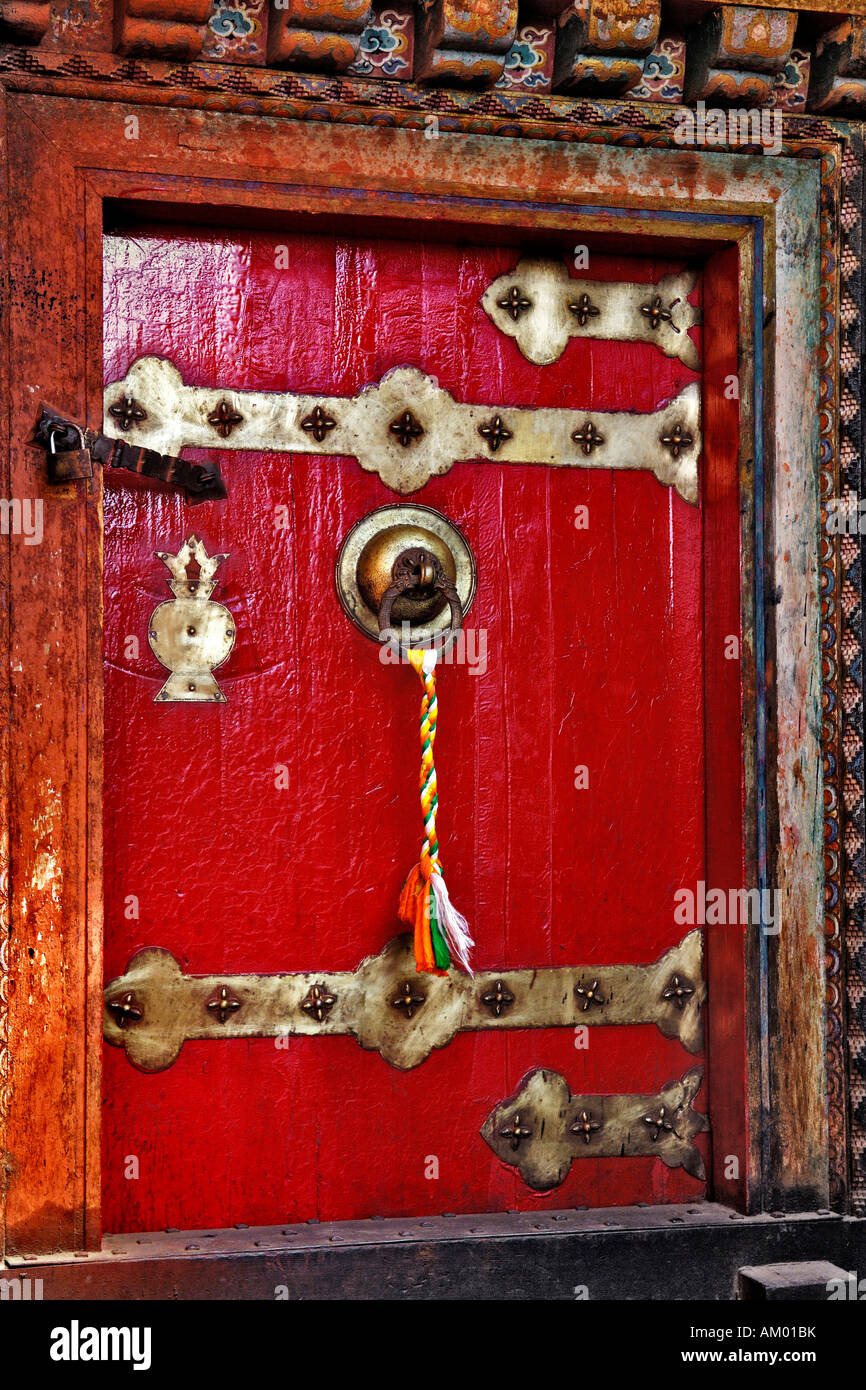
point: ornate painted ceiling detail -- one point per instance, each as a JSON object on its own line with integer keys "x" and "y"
{"x": 724, "y": 52}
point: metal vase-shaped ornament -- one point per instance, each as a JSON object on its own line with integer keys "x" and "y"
{"x": 191, "y": 634}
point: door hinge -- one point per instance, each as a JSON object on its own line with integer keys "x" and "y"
{"x": 154, "y": 1008}
{"x": 71, "y": 451}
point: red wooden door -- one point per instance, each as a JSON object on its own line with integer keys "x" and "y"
{"x": 595, "y": 658}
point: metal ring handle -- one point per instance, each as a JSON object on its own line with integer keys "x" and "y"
{"x": 404, "y": 577}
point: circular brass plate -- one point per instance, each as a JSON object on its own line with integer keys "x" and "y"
{"x": 419, "y": 522}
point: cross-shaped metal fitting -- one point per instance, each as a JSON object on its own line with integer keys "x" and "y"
{"x": 677, "y": 440}
{"x": 678, "y": 990}
{"x": 127, "y": 412}
{"x": 223, "y": 1003}
{"x": 224, "y": 419}
{"x": 515, "y": 302}
{"x": 406, "y": 428}
{"x": 495, "y": 432}
{"x": 590, "y": 994}
{"x": 498, "y": 999}
{"x": 408, "y": 1000}
{"x": 514, "y": 1132}
{"x": 584, "y": 309}
{"x": 585, "y": 1125}
{"x": 125, "y": 1009}
{"x": 588, "y": 437}
{"x": 318, "y": 1002}
{"x": 318, "y": 423}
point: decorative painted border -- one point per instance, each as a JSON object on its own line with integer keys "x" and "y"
{"x": 830, "y": 663}
{"x": 848, "y": 955}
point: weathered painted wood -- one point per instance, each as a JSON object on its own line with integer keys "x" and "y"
{"x": 250, "y": 163}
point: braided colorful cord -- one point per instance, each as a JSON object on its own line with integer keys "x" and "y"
{"x": 439, "y": 930}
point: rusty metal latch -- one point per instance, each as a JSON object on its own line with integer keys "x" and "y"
{"x": 71, "y": 452}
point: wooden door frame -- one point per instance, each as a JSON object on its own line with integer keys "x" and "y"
{"x": 68, "y": 158}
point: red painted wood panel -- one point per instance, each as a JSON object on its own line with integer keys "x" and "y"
{"x": 595, "y": 656}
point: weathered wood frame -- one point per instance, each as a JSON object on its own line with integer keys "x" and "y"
{"x": 66, "y": 158}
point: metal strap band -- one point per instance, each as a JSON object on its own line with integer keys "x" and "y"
{"x": 541, "y": 306}
{"x": 154, "y": 1007}
{"x": 543, "y": 1128}
{"x": 406, "y": 427}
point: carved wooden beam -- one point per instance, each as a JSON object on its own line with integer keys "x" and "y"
{"x": 737, "y": 52}
{"x": 601, "y": 47}
{"x": 839, "y": 69}
{"x": 324, "y": 35}
{"x": 461, "y": 44}
{"x": 24, "y": 21}
{"x": 161, "y": 28}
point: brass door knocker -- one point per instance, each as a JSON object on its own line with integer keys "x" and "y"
{"x": 418, "y": 573}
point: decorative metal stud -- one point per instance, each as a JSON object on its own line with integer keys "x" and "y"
{"x": 585, "y": 1125}
{"x": 317, "y": 423}
{"x": 406, "y": 428}
{"x": 656, "y": 313}
{"x": 678, "y": 990}
{"x": 590, "y": 995}
{"x": 494, "y": 432}
{"x": 677, "y": 440}
{"x": 127, "y": 412}
{"x": 588, "y": 438}
{"x": 408, "y": 1000}
{"x": 318, "y": 1002}
{"x": 515, "y": 1131}
{"x": 498, "y": 999}
{"x": 224, "y": 419}
{"x": 659, "y": 1122}
{"x": 584, "y": 309}
{"x": 125, "y": 1010}
{"x": 222, "y": 1004}
{"x": 515, "y": 302}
